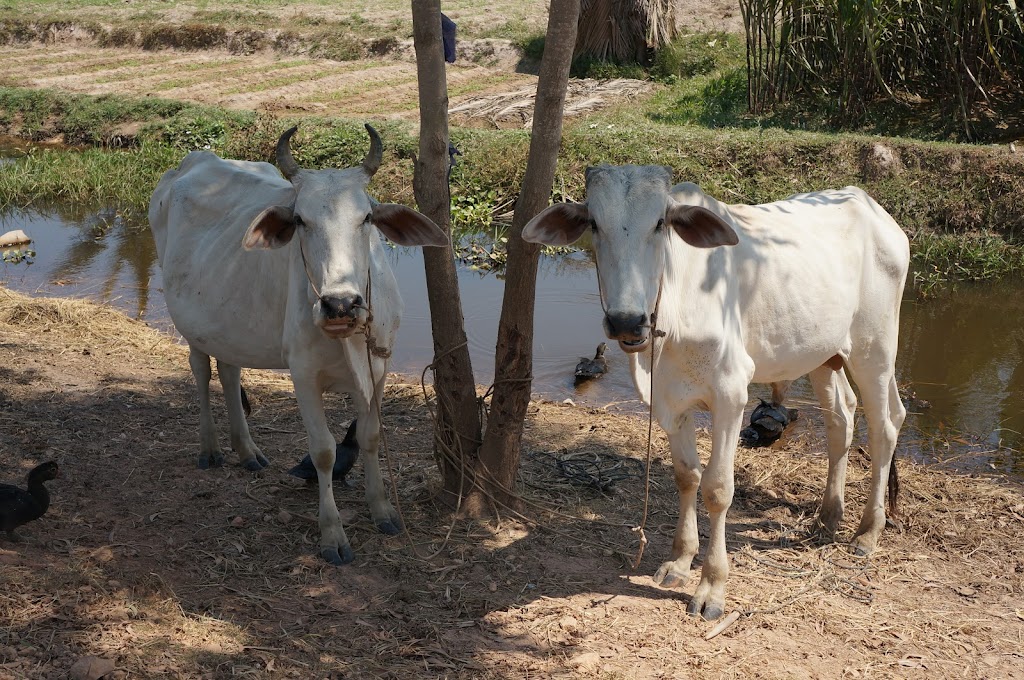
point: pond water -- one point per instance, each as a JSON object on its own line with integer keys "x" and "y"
{"x": 962, "y": 352}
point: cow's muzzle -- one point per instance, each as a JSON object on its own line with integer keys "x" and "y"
{"x": 341, "y": 316}
{"x": 629, "y": 329}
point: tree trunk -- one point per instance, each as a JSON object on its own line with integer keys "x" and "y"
{"x": 457, "y": 431}
{"x": 499, "y": 457}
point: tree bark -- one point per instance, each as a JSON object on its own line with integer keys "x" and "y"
{"x": 457, "y": 430}
{"x": 499, "y": 456}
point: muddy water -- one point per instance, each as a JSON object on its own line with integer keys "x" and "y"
{"x": 962, "y": 354}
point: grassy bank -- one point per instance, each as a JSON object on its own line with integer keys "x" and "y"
{"x": 959, "y": 203}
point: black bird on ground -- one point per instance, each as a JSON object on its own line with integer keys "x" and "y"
{"x": 767, "y": 422}
{"x": 345, "y": 455}
{"x": 592, "y": 368}
{"x": 21, "y": 506}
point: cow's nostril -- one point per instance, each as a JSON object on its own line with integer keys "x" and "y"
{"x": 625, "y": 324}
{"x": 329, "y": 306}
{"x": 335, "y": 306}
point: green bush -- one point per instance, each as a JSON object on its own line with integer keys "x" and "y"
{"x": 193, "y": 133}
{"x": 696, "y": 55}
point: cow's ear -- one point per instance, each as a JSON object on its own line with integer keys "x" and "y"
{"x": 406, "y": 227}
{"x": 558, "y": 225}
{"x": 272, "y": 228}
{"x": 700, "y": 227}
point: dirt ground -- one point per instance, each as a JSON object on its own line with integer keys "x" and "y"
{"x": 168, "y": 571}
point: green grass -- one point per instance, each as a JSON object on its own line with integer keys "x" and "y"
{"x": 92, "y": 176}
{"x": 959, "y": 203}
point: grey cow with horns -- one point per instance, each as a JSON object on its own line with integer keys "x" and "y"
{"x": 262, "y": 271}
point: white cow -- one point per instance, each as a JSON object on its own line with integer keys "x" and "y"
{"x": 266, "y": 272}
{"x": 808, "y": 285}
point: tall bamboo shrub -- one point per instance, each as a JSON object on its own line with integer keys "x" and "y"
{"x": 961, "y": 56}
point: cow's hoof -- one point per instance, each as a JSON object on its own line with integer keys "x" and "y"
{"x": 861, "y": 550}
{"x": 253, "y": 465}
{"x": 332, "y": 555}
{"x": 707, "y": 600}
{"x": 668, "y": 576}
{"x": 712, "y": 612}
{"x": 391, "y": 527}
{"x": 209, "y": 460}
{"x": 709, "y": 610}
{"x": 262, "y": 459}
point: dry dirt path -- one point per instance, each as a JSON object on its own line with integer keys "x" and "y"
{"x": 173, "y": 572}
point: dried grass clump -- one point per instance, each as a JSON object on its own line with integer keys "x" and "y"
{"x": 624, "y": 31}
{"x": 84, "y": 321}
{"x": 184, "y": 37}
{"x": 118, "y": 36}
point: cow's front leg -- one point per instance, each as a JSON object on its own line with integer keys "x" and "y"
{"x": 209, "y": 450}
{"x": 717, "y": 488}
{"x": 686, "y": 464}
{"x": 334, "y": 546}
{"x": 250, "y": 457}
{"x": 381, "y": 510}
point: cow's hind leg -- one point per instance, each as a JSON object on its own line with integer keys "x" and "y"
{"x": 249, "y": 456}
{"x": 838, "y": 404}
{"x": 687, "y": 467}
{"x": 209, "y": 451}
{"x": 875, "y": 376}
{"x": 381, "y": 510}
{"x": 334, "y": 545}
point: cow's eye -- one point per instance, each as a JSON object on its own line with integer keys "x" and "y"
{"x": 593, "y": 225}
{"x": 660, "y": 225}
{"x": 369, "y": 218}
{"x": 299, "y": 222}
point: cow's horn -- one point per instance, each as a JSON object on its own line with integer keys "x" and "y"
{"x": 375, "y": 154}
{"x": 284, "y": 154}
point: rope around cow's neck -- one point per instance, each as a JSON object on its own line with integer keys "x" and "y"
{"x": 305, "y": 268}
{"x": 371, "y": 343}
{"x": 655, "y": 334}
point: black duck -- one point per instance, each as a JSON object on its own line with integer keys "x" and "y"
{"x": 345, "y": 455}
{"x": 21, "y": 506}
{"x": 767, "y": 422}
{"x": 592, "y": 368}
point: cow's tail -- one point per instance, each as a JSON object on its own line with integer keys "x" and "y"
{"x": 893, "y": 487}
{"x": 248, "y": 408}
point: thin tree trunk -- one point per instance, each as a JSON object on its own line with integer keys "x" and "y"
{"x": 457, "y": 431}
{"x": 499, "y": 456}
